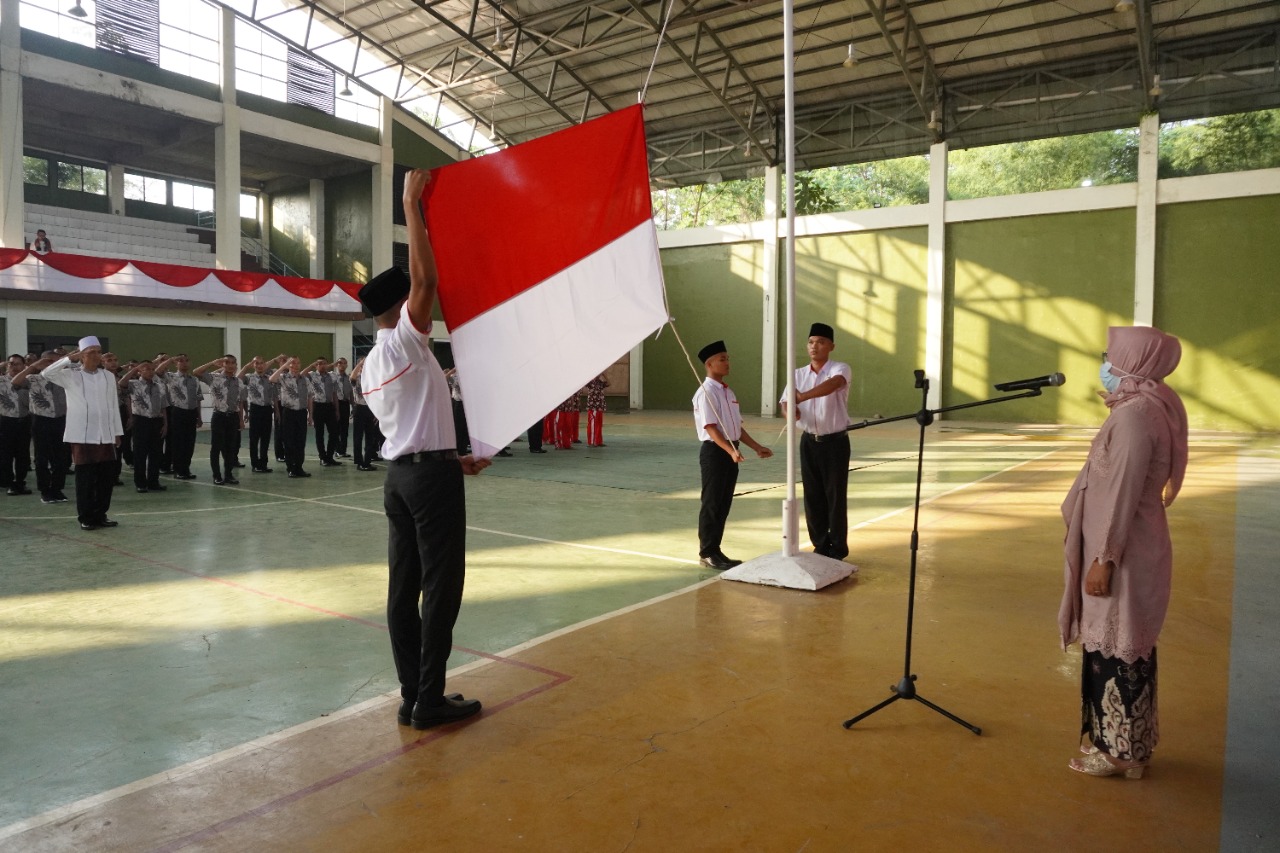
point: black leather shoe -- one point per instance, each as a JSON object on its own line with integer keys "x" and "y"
{"x": 536, "y": 450}
{"x": 452, "y": 709}
{"x": 299, "y": 474}
{"x": 504, "y": 452}
{"x": 84, "y": 526}
{"x": 184, "y": 476}
{"x": 366, "y": 468}
{"x": 719, "y": 561}
{"x": 237, "y": 464}
{"x": 18, "y": 491}
{"x": 142, "y": 490}
{"x": 262, "y": 470}
{"x": 106, "y": 522}
{"x": 405, "y": 716}
{"x": 231, "y": 481}
{"x": 157, "y": 488}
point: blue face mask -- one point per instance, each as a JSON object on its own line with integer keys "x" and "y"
{"x": 1111, "y": 383}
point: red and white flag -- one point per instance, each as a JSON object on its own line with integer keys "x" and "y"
{"x": 549, "y": 268}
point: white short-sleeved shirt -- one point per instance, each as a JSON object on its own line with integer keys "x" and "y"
{"x": 406, "y": 391}
{"x": 715, "y": 403}
{"x": 823, "y": 415}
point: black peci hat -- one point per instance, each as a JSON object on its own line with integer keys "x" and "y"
{"x": 383, "y": 291}
{"x": 822, "y": 330}
{"x": 710, "y": 350}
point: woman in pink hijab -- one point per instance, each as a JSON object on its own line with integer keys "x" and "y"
{"x": 1119, "y": 559}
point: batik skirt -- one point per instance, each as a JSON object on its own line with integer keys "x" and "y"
{"x": 1119, "y": 705}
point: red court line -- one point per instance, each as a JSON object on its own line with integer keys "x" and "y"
{"x": 275, "y": 805}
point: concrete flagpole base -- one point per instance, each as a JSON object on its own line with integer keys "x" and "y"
{"x": 796, "y": 571}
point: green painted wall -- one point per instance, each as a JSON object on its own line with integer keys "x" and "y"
{"x": 138, "y": 341}
{"x": 870, "y": 287}
{"x": 412, "y": 150}
{"x": 290, "y": 221}
{"x": 348, "y": 205}
{"x": 1216, "y": 265}
{"x": 268, "y": 343}
{"x": 1031, "y": 296}
{"x": 713, "y": 292}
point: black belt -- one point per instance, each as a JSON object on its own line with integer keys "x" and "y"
{"x": 817, "y": 437}
{"x": 426, "y": 456}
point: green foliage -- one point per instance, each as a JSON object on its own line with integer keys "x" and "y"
{"x": 886, "y": 183}
{"x": 709, "y": 204}
{"x": 1232, "y": 143}
{"x": 35, "y": 170}
{"x": 1109, "y": 157}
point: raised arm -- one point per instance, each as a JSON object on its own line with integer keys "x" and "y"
{"x": 423, "y": 277}
{"x": 199, "y": 371}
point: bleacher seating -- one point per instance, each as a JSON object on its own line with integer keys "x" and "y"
{"x": 104, "y": 235}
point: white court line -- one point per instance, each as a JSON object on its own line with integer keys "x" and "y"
{"x": 73, "y": 809}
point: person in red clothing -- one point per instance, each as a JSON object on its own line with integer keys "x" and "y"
{"x": 595, "y": 411}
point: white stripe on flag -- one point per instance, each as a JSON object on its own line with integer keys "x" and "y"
{"x": 519, "y": 360}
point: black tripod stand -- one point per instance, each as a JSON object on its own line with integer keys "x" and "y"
{"x": 906, "y": 688}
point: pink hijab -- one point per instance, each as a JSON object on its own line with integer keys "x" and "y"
{"x": 1147, "y": 355}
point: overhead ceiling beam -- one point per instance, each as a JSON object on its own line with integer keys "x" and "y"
{"x": 902, "y": 35}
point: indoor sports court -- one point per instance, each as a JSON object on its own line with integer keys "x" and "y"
{"x": 214, "y": 674}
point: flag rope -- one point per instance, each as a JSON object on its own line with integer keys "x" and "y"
{"x": 662, "y": 34}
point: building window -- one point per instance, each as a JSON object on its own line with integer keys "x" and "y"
{"x": 248, "y": 206}
{"x": 85, "y": 179}
{"x": 192, "y": 196}
{"x": 35, "y": 170}
{"x": 145, "y": 188}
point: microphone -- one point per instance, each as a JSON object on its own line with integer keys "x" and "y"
{"x": 1032, "y": 384}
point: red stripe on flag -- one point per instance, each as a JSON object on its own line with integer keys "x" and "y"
{"x": 502, "y": 223}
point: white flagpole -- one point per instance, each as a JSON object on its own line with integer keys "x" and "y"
{"x": 790, "y": 567}
{"x": 790, "y": 518}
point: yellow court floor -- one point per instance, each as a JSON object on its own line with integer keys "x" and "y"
{"x": 707, "y": 714}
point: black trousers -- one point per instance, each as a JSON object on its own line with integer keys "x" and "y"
{"x": 535, "y": 436}
{"x": 259, "y": 435}
{"x": 125, "y": 450}
{"x": 427, "y": 519}
{"x": 719, "y": 476}
{"x": 52, "y": 456}
{"x": 95, "y": 482}
{"x": 366, "y": 437}
{"x": 325, "y": 418}
{"x": 182, "y": 438}
{"x": 224, "y": 442}
{"x": 277, "y": 420}
{"x": 15, "y": 451}
{"x": 344, "y": 425}
{"x": 146, "y": 451}
{"x": 293, "y": 426}
{"x": 824, "y": 471}
{"x": 460, "y": 427}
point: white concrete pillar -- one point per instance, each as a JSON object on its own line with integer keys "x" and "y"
{"x": 936, "y": 274}
{"x": 315, "y": 230}
{"x": 342, "y": 338}
{"x": 226, "y": 156}
{"x": 12, "y": 211}
{"x": 115, "y": 188}
{"x": 772, "y": 299}
{"x": 636, "y": 380}
{"x": 380, "y": 215}
{"x": 15, "y": 328}
{"x": 1144, "y": 249}
{"x": 232, "y": 339}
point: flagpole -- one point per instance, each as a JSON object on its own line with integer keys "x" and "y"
{"x": 790, "y": 567}
{"x": 790, "y": 518}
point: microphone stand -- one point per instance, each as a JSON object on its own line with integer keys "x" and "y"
{"x": 906, "y": 688}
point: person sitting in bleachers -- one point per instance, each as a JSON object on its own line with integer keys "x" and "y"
{"x": 41, "y": 245}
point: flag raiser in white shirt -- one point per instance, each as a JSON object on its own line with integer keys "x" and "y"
{"x": 715, "y": 403}
{"x": 823, "y": 415}
{"x": 406, "y": 390}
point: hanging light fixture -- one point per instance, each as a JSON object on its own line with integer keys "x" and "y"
{"x": 1124, "y": 6}
{"x": 1155, "y": 90}
{"x": 77, "y": 11}
{"x": 934, "y": 124}
{"x": 346, "y": 87}
{"x": 852, "y": 58}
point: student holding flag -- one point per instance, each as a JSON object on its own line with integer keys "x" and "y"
{"x": 423, "y": 496}
{"x": 719, "y": 424}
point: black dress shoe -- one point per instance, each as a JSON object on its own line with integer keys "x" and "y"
{"x": 536, "y": 450}
{"x": 18, "y": 491}
{"x": 184, "y": 476}
{"x": 157, "y": 488}
{"x": 106, "y": 522}
{"x": 237, "y": 464}
{"x": 262, "y": 470}
{"x": 299, "y": 474}
{"x": 405, "y": 715}
{"x": 84, "y": 526}
{"x": 142, "y": 490}
{"x": 231, "y": 481}
{"x": 218, "y": 481}
{"x": 504, "y": 452}
{"x": 453, "y": 708}
{"x": 719, "y": 561}
{"x": 365, "y": 468}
